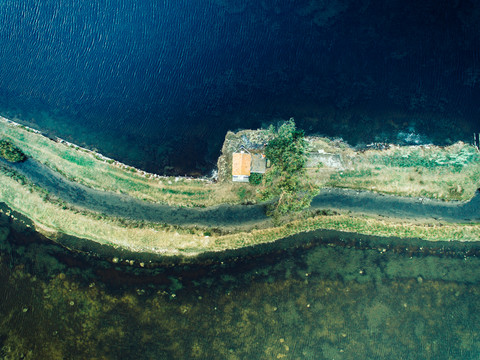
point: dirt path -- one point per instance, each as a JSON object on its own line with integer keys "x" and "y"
{"x": 240, "y": 215}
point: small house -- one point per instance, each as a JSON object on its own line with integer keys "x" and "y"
{"x": 241, "y": 165}
{"x": 245, "y": 163}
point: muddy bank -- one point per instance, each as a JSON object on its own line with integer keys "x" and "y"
{"x": 119, "y": 205}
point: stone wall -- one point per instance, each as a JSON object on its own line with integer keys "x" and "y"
{"x": 325, "y": 159}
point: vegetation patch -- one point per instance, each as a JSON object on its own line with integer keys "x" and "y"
{"x": 10, "y": 152}
{"x": 286, "y": 181}
{"x": 255, "y": 178}
{"x": 443, "y": 173}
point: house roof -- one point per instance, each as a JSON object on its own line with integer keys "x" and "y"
{"x": 259, "y": 163}
{"x": 241, "y": 163}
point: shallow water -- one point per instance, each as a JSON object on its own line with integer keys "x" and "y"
{"x": 321, "y": 300}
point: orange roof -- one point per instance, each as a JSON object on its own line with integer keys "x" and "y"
{"x": 241, "y": 163}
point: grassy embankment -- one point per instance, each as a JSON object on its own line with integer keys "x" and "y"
{"x": 444, "y": 173}
{"x": 52, "y": 217}
{"x": 95, "y": 171}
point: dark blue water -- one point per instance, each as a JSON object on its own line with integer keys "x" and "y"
{"x": 158, "y": 83}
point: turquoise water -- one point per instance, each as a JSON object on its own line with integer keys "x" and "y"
{"x": 342, "y": 298}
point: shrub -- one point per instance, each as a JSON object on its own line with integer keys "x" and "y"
{"x": 255, "y": 178}
{"x": 10, "y": 152}
{"x": 242, "y": 193}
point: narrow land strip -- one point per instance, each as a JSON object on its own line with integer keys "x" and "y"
{"x": 118, "y": 205}
{"x": 68, "y": 190}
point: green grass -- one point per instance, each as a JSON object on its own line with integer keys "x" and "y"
{"x": 429, "y": 158}
{"x": 88, "y": 168}
{"x": 445, "y": 173}
{"x": 352, "y": 174}
{"x": 52, "y": 216}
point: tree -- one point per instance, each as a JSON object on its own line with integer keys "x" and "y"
{"x": 286, "y": 181}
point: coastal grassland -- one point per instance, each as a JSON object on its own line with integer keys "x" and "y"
{"x": 90, "y": 169}
{"x": 360, "y": 224}
{"x": 51, "y": 217}
{"x": 450, "y": 173}
{"x": 444, "y": 173}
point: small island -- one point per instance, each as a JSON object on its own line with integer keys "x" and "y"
{"x": 191, "y": 216}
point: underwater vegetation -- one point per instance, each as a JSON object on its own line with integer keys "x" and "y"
{"x": 342, "y": 300}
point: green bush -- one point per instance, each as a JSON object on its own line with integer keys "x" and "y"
{"x": 11, "y": 153}
{"x": 286, "y": 181}
{"x": 255, "y": 178}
